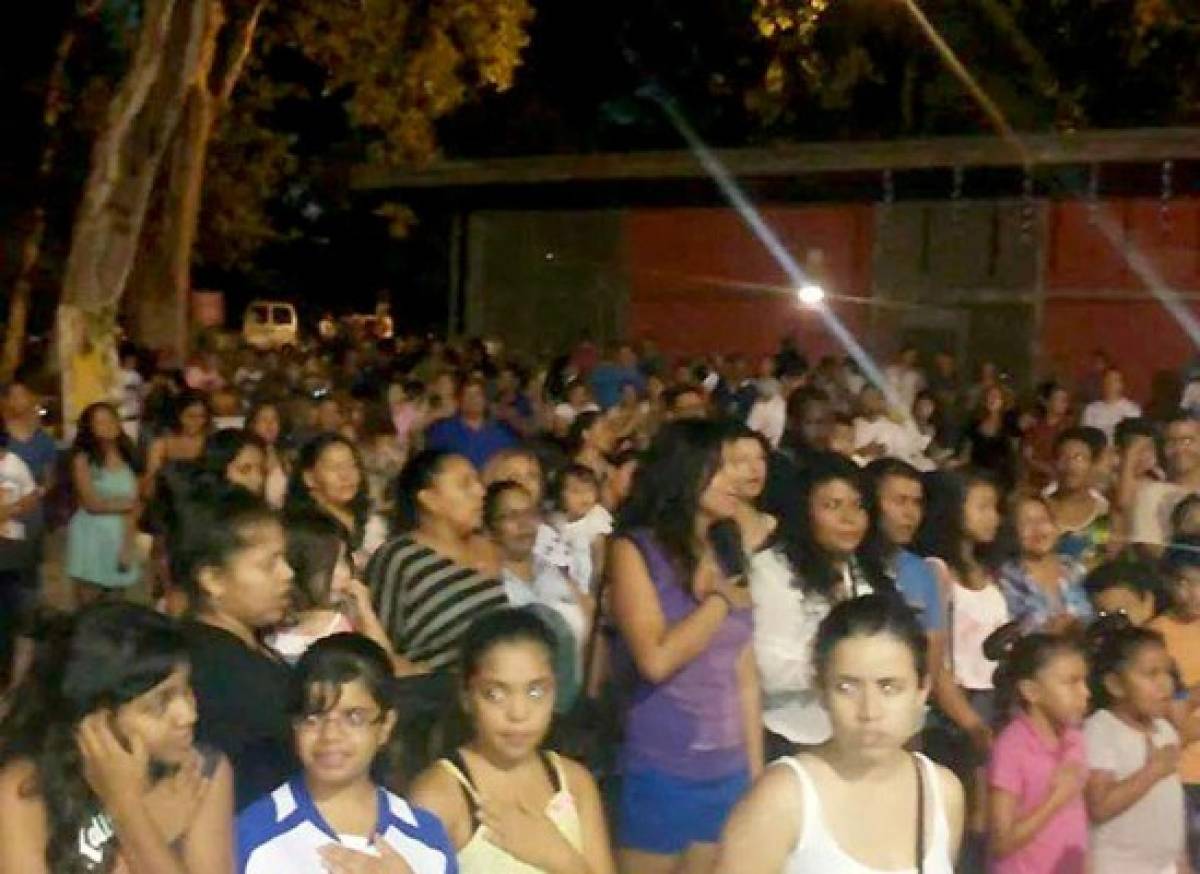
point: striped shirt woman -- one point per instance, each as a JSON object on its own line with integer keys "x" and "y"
{"x": 424, "y": 584}
{"x": 426, "y": 600}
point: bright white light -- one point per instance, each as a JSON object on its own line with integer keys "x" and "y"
{"x": 810, "y": 294}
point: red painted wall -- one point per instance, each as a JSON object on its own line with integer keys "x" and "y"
{"x": 1139, "y": 333}
{"x": 688, "y": 268}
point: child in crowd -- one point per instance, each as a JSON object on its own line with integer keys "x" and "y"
{"x": 327, "y": 599}
{"x": 961, "y": 521}
{"x": 841, "y": 440}
{"x": 333, "y": 817}
{"x": 583, "y": 523}
{"x": 1134, "y": 793}
{"x": 509, "y": 807}
{"x": 1124, "y": 587}
{"x": 1180, "y": 630}
{"x": 1037, "y": 817}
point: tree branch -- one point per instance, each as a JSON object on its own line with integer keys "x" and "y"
{"x": 239, "y": 42}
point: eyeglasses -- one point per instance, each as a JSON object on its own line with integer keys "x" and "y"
{"x": 355, "y": 719}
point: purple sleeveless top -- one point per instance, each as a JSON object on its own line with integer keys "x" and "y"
{"x": 691, "y": 725}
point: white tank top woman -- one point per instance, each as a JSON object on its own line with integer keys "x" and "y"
{"x": 817, "y": 851}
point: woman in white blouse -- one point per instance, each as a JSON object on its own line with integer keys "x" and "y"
{"x": 795, "y": 579}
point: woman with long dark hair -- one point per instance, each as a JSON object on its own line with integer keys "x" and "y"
{"x": 427, "y": 581}
{"x": 235, "y": 456}
{"x": 182, "y": 445}
{"x": 962, "y": 518}
{"x": 990, "y": 442}
{"x": 265, "y": 421}
{"x": 819, "y": 544}
{"x": 101, "y": 537}
{"x": 329, "y": 478}
{"x": 693, "y": 731}
{"x": 98, "y": 768}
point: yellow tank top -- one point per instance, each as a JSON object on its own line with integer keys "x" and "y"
{"x": 480, "y": 856}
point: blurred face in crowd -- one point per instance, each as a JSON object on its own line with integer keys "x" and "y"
{"x": 455, "y": 496}
{"x": 901, "y": 506}
{"x": 689, "y": 405}
{"x": 909, "y": 357}
{"x": 105, "y": 425}
{"x": 515, "y": 524}
{"x": 871, "y": 402}
{"x": 579, "y": 497}
{"x": 923, "y": 409}
{"x": 1059, "y": 403}
{"x": 19, "y": 403}
{"x": 1181, "y": 447}
{"x": 626, "y": 357}
{"x": 816, "y": 423}
{"x": 838, "y": 518}
{"x": 193, "y": 420}
{"x": 981, "y": 516}
{"x": 266, "y": 425}
{"x": 474, "y": 401}
{"x": 1114, "y": 385}
{"x": 1185, "y": 591}
{"x": 993, "y": 400}
{"x": 1036, "y": 532}
{"x": 749, "y": 464}
{"x": 336, "y": 477}
{"x": 524, "y": 470}
{"x": 577, "y": 395}
{"x": 330, "y": 417}
{"x": 1073, "y": 465}
{"x": 841, "y": 438}
{"x": 248, "y": 469}
{"x": 507, "y": 382}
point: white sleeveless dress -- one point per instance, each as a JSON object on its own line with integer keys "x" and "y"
{"x": 817, "y": 852}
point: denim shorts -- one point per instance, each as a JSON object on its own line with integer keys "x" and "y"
{"x": 664, "y": 814}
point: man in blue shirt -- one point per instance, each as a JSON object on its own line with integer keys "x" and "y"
{"x": 896, "y": 498}
{"x": 613, "y": 374}
{"x": 472, "y": 433}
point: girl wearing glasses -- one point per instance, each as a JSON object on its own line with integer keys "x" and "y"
{"x": 332, "y": 817}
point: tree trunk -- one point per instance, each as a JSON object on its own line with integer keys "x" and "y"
{"x": 125, "y": 162}
{"x": 35, "y": 234}
{"x": 160, "y": 287}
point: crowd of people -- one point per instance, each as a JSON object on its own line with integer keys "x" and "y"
{"x": 412, "y": 606}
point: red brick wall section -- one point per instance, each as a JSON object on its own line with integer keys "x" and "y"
{"x": 686, "y": 267}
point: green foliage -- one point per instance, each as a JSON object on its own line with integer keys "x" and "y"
{"x": 1037, "y": 58}
{"x": 391, "y": 69}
